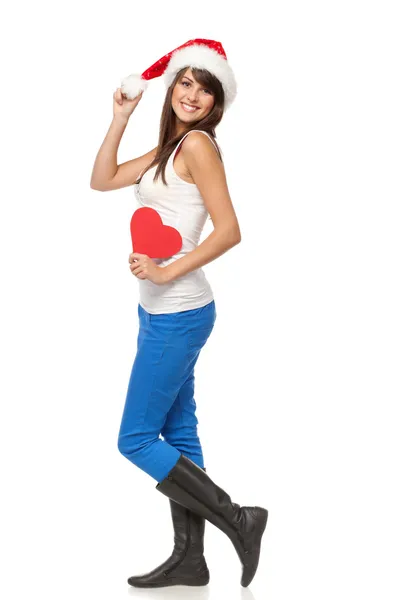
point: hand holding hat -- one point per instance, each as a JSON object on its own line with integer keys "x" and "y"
{"x": 198, "y": 53}
{"x": 122, "y": 105}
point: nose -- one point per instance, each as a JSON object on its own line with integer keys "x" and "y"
{"x": 192, "y": 97}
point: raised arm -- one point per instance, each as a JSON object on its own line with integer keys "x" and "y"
{"x": 107, "y": 174}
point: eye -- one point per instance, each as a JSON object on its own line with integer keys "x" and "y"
{"x": 205, "y": 89}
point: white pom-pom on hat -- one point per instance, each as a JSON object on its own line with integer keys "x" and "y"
{"x": 198, "y": 53}
{"x": 132, "y": 85}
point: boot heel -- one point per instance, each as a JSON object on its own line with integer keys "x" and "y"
{"x": 263, "y": 515}
{"x": 200, "y": 580}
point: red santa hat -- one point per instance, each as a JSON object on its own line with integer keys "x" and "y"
{"x": 198, "y": 53}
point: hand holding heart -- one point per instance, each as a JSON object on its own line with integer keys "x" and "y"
{"x": 154, "y": 240}
{"x": 150, "y": 236}
{"x": 144, "y": 267}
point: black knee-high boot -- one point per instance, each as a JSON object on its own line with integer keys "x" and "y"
{"x": 190, "y": 486}
{"x": 186, "y": 565}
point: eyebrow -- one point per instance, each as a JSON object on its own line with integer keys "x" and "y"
{"x": 191, "y": 80}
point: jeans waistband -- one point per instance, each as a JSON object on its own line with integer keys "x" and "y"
{"x": 180, "y": 315}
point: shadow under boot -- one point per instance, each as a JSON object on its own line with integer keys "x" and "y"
{"x": 186, "y": 565}
{"x": 190, "y": 486}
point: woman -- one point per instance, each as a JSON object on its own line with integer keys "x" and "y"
{"x": 183, "y": 179}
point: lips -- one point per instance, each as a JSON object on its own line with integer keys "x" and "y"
{"x": 193, "y": 107}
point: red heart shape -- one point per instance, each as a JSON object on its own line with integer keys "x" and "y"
{"x": 150, "y": 236}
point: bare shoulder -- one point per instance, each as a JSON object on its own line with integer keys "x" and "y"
{"x": 198, "y": 142}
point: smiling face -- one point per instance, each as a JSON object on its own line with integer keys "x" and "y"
{"x": 190, "y": 101}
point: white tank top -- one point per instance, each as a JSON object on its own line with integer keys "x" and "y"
{"x": 179, "y": 205}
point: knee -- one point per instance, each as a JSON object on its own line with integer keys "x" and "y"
{"x": 129, "y": 446}
{"x": 134, "y": 446}
{"x": 122, "y": 445}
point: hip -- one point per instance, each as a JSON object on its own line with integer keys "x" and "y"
{"x": 191, "y": 327}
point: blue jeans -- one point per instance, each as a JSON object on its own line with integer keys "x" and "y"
{"x": 160, "y": 396}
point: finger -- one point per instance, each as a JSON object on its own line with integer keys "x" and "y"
{"x": 135, "y": 268}
{"x": 138, "y": 268}
{"x": 117, "y": 98}
{"x": 132, "y": 257}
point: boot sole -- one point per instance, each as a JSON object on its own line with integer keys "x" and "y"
{"x": 173, "y": 581}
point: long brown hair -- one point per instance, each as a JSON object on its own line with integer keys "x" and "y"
{"x": 167, "y": 141}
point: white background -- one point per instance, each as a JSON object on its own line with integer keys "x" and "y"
{"x": 297, "y": 388}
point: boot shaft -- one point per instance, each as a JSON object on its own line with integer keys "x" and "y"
{"x": 189, "y": 529}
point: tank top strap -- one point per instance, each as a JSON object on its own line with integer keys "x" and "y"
{"x": 180, "y": 142}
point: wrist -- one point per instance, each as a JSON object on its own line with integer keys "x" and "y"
{"x": 120, "y": 118}
{"x": 166, "y": 274}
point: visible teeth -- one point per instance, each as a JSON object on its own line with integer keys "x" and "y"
{"x": 189, "y": 108}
